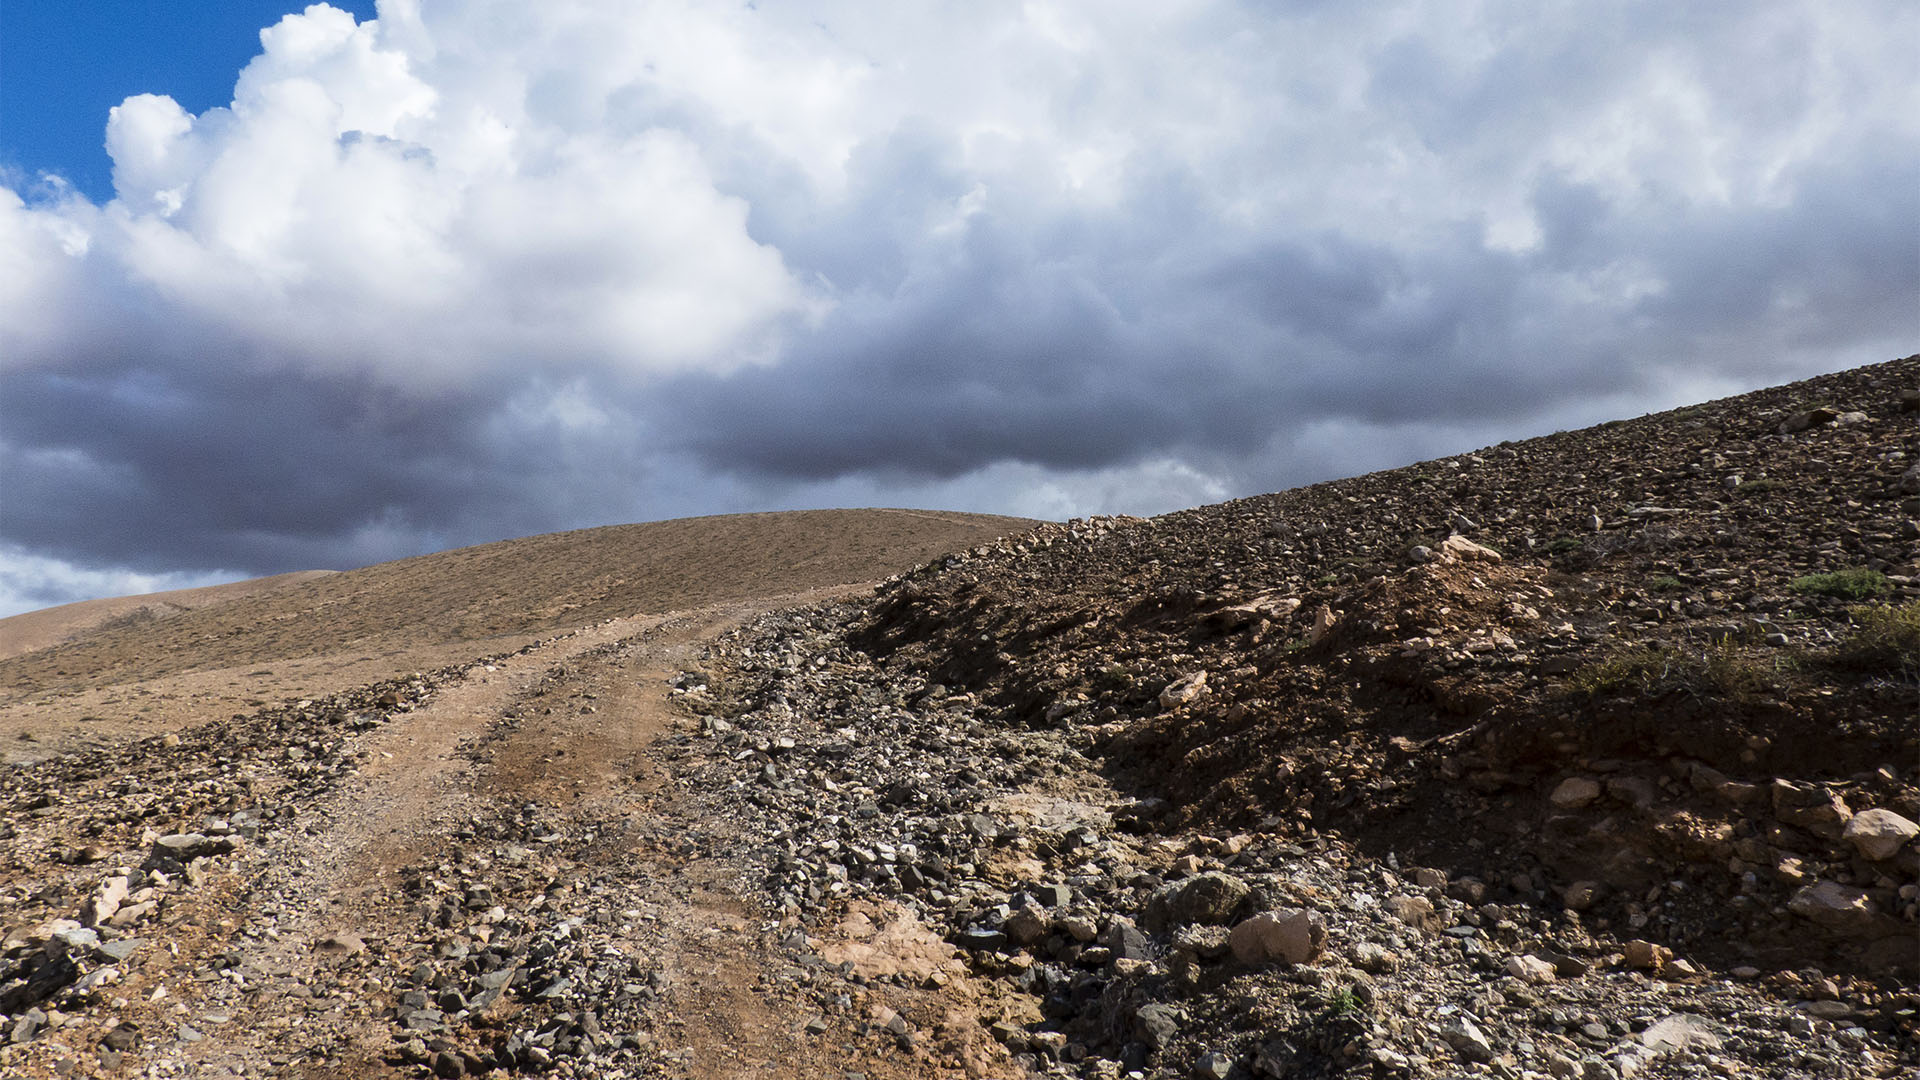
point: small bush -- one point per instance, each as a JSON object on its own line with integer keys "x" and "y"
{"x": 1721, "y": 668}
{"x": 1666, "y": 583}
{"x": 1884, "y": 638}
{"x": 1344, "y": 1002}
{"x": 1561, "y": 545}
{"x": 1755, "y": 487}
{"x": 1854, "y": 584}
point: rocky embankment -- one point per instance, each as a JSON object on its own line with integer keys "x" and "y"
{"x": 1590, "y": 755}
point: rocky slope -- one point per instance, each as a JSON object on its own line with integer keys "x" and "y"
{"x": 1585, "y": 755}
{"x": 1652, "y": 649}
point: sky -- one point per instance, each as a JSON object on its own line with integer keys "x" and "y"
{"x": 287, "y": 288}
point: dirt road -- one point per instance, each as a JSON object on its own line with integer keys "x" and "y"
{"x": 512, "y": 874}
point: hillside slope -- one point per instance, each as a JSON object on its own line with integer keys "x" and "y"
{"x": 1593, "y": 756}
{"x": 1318, "y": 784}
{"x": 1695, "y": 617}
{"x": 35, "y": 630}
{"x": 327, "y": 633}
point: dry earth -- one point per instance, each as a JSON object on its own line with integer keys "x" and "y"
{"x": 47, "y": 627}
{"x": 137, "y": 666}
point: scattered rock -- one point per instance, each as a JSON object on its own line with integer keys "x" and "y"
{"x": 1460, "y": 548}
{"x": 1156, "y": 1024}
{"x": 1468, "y": 1040}
{"x": 1682, "y": 1031}
{"x": 1323, "y": 621}
{"x": 1879, "y": 834}
{"x": 1531, "y": 970}
{"x": 1575, "y": 792}
{"x": 1807, "y": 419}
{"x": 1415, "y": 911}
{"x": 1184, "y": 690}
{"x": 105, "y": 903}
{"x": 1642, "y": 955}
{"x": 1841, "y": 908}
{"x": 1374, "y": 959}
{"x": 1289, "y": 936}
{"x": 1210, "y": 898}
{"x": 1213, "y": 1066}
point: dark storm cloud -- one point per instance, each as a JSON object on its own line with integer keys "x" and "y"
{"x": 501, "y": 271}
{"x": 231, "y": 469}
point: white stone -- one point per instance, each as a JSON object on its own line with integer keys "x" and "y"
{"x": 1575, "y": 792}
{"x": 1468, "y": 1040}
{"x": 1465, "y": 550}
{"x": 1184, "y": 690}
{"x": 1681, "y": 1031}
{"x": 1531, "y": 970}
{"x": 1290, "y": 936}
{"x": 113, "y": 893}
{"x": 1880, "y": 834}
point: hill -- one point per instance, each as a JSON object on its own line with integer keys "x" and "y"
{"x": 1671, "y": 653}
{"x": 162, "y": 661}
{"x": 47, "y": 627}
{"x": 1589, "y": 755}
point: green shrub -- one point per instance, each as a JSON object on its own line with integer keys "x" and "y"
{"x": 1343, "y": 1002}
{"x": 1755, "y": 487}
{"x": 1560, "y": 545}
{"x": 1666, "y": 583}
{"x": 1884, "y": 638}
{"x": 1857, "y": 584}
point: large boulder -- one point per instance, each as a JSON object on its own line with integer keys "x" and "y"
{"x": 1290, "y": 936}
{"x": 1209, "y": 898}
{"x": 1879, "y": 834}
{"x": 1840, "y": 908}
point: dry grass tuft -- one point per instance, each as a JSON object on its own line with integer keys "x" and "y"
{"x": 1885, "y": 638}
{"x": 1723, "y": 669}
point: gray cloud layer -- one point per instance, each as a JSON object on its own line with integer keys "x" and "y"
{"x": 488, "y": 270}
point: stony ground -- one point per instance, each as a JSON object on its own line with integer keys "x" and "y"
{"x": 1555, "y": 760}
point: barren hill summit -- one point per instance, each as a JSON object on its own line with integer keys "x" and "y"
{"x": 307, "y": 634}
{"x": 1587, "y": 757}
{"x": 35, "y": 630}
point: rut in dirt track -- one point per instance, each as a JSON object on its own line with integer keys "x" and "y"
{"x": 325, "y": 888}
{"x": 494, "y": 867}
